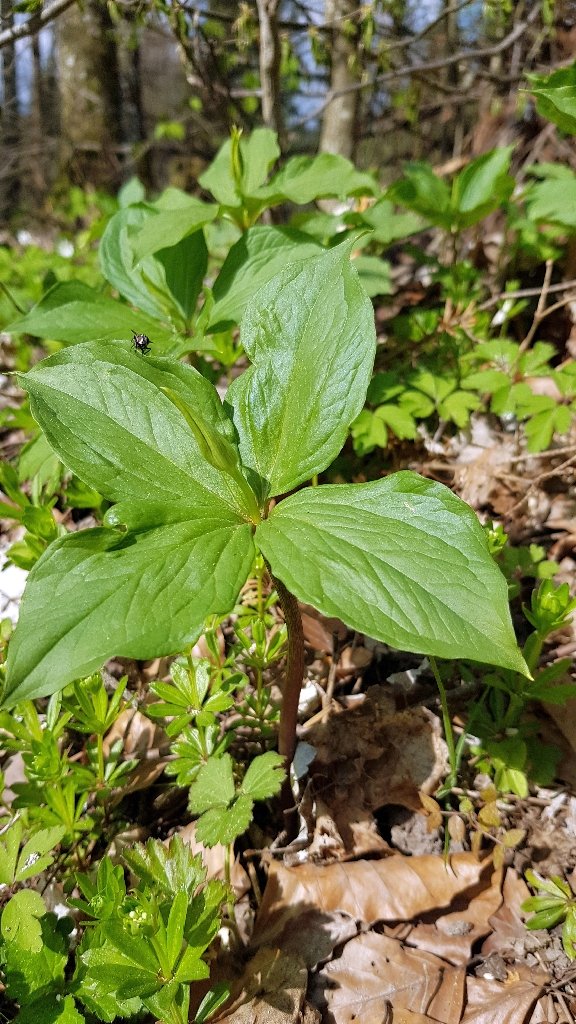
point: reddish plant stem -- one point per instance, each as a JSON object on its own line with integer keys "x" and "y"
{"x": 294, "y": 671}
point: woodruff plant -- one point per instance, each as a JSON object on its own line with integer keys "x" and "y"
{"x": 199, "y": 486}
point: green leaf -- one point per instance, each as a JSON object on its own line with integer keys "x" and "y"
{"x": 306, "y": 178}
{"x": 36, "y": 972}
{"x": 54, "y": 1009}
{"x": 20, "y": 925}
{"x": 103, "y": 411}
{"x": 264, "y": 777}
{"x": 173, "y": 869}
{"x": 176, "y": 216}
{"x": 191, "y": 967}
{"x": 224, "y": 824}
{"x": 175, "y": 926}
{"x": 214, "y": 785}
{"x": 368, "y": 432}
{"x": 556, "y": 97}
{"x": 387, "y": 225}
{"x": 261, "y": 253}
{"x": 401, "y": 559}
{"x": 143, "y": 284}
{"x": 259, "y": 151}
{"x": 310, "y": 335}
{"x": 35, "y": 855}
{"x": 424, "y": 192}
{"x": 374, "y": 274}
{"x": 73, "y": 313}
{"x": 185, "y": 265}
{"x": 139, "y": 595}
{"x": 482, "y": 186}
{"x": 554, "y": 202}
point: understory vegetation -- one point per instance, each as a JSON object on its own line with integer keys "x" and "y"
{"x": 228, "y": 434}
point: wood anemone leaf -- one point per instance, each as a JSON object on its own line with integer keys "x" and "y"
{"x": 401, "y": 559}
{"x": 310, "y": 336}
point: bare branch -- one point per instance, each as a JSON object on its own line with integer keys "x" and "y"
{"x": 432, "y": 65}
{"x": 35, "y": 22}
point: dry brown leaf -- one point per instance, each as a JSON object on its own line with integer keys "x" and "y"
{"x": 508, "y": 932}
{"x": 319, "y": 630}
{"x": 376, "y": 972}
{"x": 504, "y": 1002}
{"x": 396, "y": 889}
{"x": 214, "y": 859}
{"x": 270, "y": 991}
{"x": 453, "y": 935}
{"x": 369, "y": 756}
{"x": 142, "y": 739}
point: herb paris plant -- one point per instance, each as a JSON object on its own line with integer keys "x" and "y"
{"x": 401, "y": 558}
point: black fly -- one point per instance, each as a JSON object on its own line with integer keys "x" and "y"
{"x": 142, "y": 343}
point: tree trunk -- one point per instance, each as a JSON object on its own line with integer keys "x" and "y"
{"x": 339, "y": 132}
{"x": 270, "y": 57}
{"x": 89, "y": 79}
{"x": 9, "y": 121}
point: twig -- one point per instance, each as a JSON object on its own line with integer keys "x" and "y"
{"x": 34, "y": 23}
{"x": 526, "y": 293}
{"x": 433, "y": 65}
{"x": 540, "y": 307}
{"x": 542, "y": 455}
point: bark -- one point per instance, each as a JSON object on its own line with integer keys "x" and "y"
{"x": 89, "y": 79}
{"x": 340, "y": 121}
{"x": 270, "y": 58}
{"x": 10, "y": 120}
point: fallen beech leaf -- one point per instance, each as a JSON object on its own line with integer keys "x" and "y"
{"x": 376, "y": 972}
{"x": 369, "y": 756}
{"x": 396, "y": 889}
{"x": 453, "y": 935}
{"x": 508, "y": 1002}
{"x": 270, "y": 991}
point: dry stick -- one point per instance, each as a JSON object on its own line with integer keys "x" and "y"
{"x": 526, "y": 293}
{"x": 535, "y": 483}
{"x": 540, "y": 308}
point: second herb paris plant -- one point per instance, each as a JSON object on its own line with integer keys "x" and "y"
{"x": 401, "y": 559}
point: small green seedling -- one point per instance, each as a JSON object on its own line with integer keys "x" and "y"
{"x": 554, "y": 904}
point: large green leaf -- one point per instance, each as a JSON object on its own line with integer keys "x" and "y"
{"x": 172, "y": 217}
{"x": 104, "y": 414}
{"x": 258, "y": 152}
{"x": 257, "y": 256}
{"x": 143, "y": 283}
{"x": 482, "y": 186}
{"x": 185, "y": 265}
{"x": 73, "y": 312}
{"x": 305, "y": 178}
{"x": 310, "y": 335}
{"x": 401, "y": 559}
{"x": 556, "y": 97}
{"x": 139, "y": 594}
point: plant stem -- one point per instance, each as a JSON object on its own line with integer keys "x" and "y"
{"x": 100, "y": 749}
{"x": 447, "y": 722}
{"x": 290, "y": 700}
{"x": 294, "y": 672}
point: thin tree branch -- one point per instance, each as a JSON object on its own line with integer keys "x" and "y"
{"x": 432, "y": 65}
{"x": 34, "y": 23}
